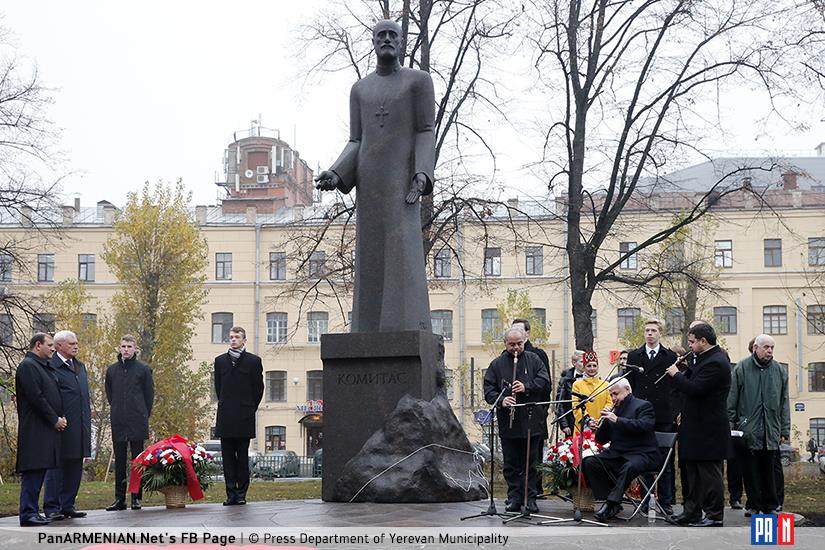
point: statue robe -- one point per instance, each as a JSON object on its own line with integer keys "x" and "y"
{"x": 391, "y": 140}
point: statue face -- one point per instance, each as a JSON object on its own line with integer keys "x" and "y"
{"x": 387, "y": 41}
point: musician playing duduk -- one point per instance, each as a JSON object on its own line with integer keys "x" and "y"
{"x": 524, "y": 379}
{"x": 590, "y": 384}
{"x": 629, "y": 428}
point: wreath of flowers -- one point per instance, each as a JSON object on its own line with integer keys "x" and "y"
{"x": 560, "y": 464}
{"x": 164, "y": 466}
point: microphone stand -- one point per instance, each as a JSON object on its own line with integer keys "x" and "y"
{"x": 491, "y": 509}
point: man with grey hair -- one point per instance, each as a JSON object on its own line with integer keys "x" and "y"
{"x": 758, "y": 405}
{"x": 629, "y": 427}
{"x": 524, "y": 379}
{"x": 63, "y": 483}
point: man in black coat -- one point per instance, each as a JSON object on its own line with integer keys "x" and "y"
{"x": 703, "y": 431}
{"x": 130, "y": 392}
{"x": 654, "y": 358}
{"x": 530, "y": 383}
{"x": 63, "y": 483}
{"x": 630, "y": 430}
{"x": 40, "y": 421}
{"x": 239, "y": 385}
{"x": 564, "y": 392}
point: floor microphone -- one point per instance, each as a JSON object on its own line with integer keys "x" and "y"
{"x": 636, "y": 368}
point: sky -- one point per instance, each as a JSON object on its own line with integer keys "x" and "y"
{"x": 153, "y": 90}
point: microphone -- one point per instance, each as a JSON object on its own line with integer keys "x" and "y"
{"x": 636, "y": 368}
{"x": 581, "y": 396}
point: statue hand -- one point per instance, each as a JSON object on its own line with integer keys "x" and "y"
{"x": 417, "y": 185}
{"x": 327, "y": 181}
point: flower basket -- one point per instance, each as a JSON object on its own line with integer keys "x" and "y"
{"x": 175, "y": 495}
{"x": 175, "y": 467}
{"x": 561, "y": 466}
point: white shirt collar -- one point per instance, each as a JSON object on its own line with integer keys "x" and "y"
{"x": 61, "y": 357}
{"x": 656, "y": 349}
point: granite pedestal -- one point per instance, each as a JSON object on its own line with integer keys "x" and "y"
{"x": 365, "y": 375}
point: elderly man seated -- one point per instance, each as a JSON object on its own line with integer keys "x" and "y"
{"x": 629, "y": 427}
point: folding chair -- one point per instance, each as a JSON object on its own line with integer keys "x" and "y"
{"x": 665, "y": 440}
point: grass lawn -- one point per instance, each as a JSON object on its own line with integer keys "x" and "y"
{"x": 99, "y": 494}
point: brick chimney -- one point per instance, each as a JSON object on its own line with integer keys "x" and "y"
{"x": 789, "y": 181}
{"x": 68, "y": 215}
{"x": 820, "y": 149}
{"x": 251, "y": 214}
{"x": 109, "y": 214}
{"x": 200, "y": 215}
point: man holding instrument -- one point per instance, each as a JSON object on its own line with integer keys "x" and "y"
{"x": 526, "y": 377}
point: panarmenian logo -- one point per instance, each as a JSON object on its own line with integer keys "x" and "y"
{"x": 772, "y": 529}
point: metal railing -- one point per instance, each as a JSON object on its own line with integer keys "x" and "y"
{"x": 269, "y": 467}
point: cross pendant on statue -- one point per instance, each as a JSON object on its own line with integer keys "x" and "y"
{"x": 381, "y": 114}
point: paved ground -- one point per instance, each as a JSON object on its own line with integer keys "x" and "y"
{"x": 381, "y": 526}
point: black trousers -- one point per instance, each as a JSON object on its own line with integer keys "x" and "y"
{"x": 733, "y": 471}
{"x": 609, "y": 477}
{"x": 31, "y": 481}
{"x": 515, "y": 462}
{"x": 760, "y": 472}
{"x": 779, "y": 478}
{"x": 235, "y": 455}
{"x": 705, "y": 490}
{"x": 62, "y": 485}
{"x": 122, "y": 469}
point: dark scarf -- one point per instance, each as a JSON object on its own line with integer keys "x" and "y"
{"x": 234, "y": 355}
{"x": 760, "y": 363}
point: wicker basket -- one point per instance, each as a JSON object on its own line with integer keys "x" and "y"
{"x": 176, "y": 495}
{"x": 585, "y": 502}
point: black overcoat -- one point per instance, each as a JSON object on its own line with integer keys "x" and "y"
{"x": 704, "y": 430}
{"x": 39, "y": 405}
{"x": 240, "y": 389}
{"x": 633, "y": 435}
{"x": 663, "y": 396}
{"x": 130, "y": 391}
{"x": 76, "y": 439}
{"x": 533, "y": 374}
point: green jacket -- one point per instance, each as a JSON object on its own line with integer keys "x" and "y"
{"x": 755, "y": 391}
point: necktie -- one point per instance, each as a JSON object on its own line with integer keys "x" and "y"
{"x": 652, "y": 354}
{"x": 71, "y": 365}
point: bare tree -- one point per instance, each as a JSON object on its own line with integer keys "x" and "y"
{"x": 638, "y": 82}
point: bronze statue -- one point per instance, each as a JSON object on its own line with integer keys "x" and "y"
{"x": 389, "y": 159}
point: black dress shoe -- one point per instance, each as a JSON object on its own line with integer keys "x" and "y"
{"x": 35, "y": 521}
{"x": 513, "y": 507}
{"x": 608, "y": 511}
{"x": 707, "y": 522}
{"x": 74, "y": 514}
{"x": 749, "y": 512}
{"x": 116, "y": 506}
{"x": 240, "y": 501}
{"x": 682, "y": 519}
{"x": 54, "y": 516}
{"x": 667, "y": 509}
{"x": 736, "y": 505}
{"x": 136, "y": 504}
{"x": 229, "y": 502}
{"x": 532, "y": 507}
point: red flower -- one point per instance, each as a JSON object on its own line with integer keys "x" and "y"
{"x": 563, "y": 458}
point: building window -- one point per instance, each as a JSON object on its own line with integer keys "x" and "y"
{"x": 534, "y": 257}
{"x": 723, "y": 255}
{"x": 442, "y": 264}
{"x": 816, "y": 251}
{"x": 276, "y": 385}
{"x": 277, "y": 266}
{"x": 276, "y": 324}
{"x": 594, "y": 325}
{"x": 88, "y": 321}
{"x": 492, "y": 262}
{"x": 45, "y": 268}
{"x": 5, "y": 267}
{"x": 317, "y": 324}
{"x": 816, "y": 319}
{"x": 725, "y": 319}
{"x": 6, "y": 329}
{"x": 315, "y": 385}
{"x": 816, "y": 376}
{"x": 316, "y": 265}
{"x": 223, "y": 266}
{"x": 449, "y": 381}
{"x": 674, "y": 256}
{"x": 626, "y": 317}
{"x": 43, "y": 322}
{"x": 491, "y": 327}
{"x": 818, "y": 430}
{"x": 221, "y": 323}
{"x": 629, "y": 262}
{"x": 539, "y": 318}
{"x": 675, "y": 321}
{"x": 773, "y": 252}
{"x": 275, "y": 437}
{"x": 442, "y": 320}
{"x": 86, "y": 267}
{"x": 774, "y": 320}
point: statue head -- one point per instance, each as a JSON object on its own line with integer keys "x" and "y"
{"x": 386, "y": 38}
